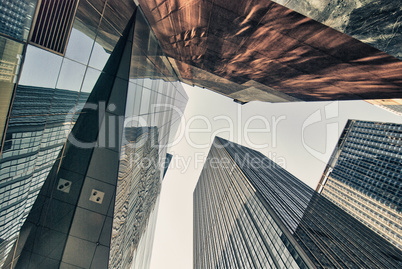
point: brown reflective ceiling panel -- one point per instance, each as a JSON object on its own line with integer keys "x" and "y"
{"x": 275, "y": 49}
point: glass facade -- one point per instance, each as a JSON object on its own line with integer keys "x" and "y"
{"x": 251, "y": 213}
{"x": 16, "y": 18}
{"x": 10, "y": 57}
{"x": 233, "y": 227}
{"x": 225, "y": 47}
{"x": 33, "y": 142}
{"x": 364, "y": 176}
{"x": 372, "y": 22}
{"x": 15, "y": 22}
{"x": 86, "y": 137}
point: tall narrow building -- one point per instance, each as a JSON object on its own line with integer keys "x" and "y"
{"x": 251, "y": 213}
{"x": 364, "y": 178}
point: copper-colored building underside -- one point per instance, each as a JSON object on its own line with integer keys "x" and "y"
{"x": 260, "y": 50}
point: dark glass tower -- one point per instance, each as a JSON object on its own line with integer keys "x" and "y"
{"x": 251, "y": 213}
{"x": 363, "y": 176}
{"x": 85, "y": 143}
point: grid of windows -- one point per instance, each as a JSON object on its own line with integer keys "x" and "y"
{"x": 51, "y": 91}
{"x": 34, "y": 141}
{"x": 365, "y": 176}
{"x": 154, "y": 98}
{"x": 251, "y": 213}
{"x": 16, "y": 17}
{"x": 233, "y": 226}
{"x": 374, "y": 214}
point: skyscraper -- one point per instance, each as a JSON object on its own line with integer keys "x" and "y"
{"x": 251, "y": 213}
{"x": 92, "y": 127}
{"x": 85, "y": 141}
{"x": 33, "y": 141}
{"x": 363, "y": 176}
{"x": 268, "y": 51}
{"x": 391, "y": 105}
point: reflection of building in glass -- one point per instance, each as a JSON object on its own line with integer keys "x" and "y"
{"x": 137, "y": 191}
{"x": 16, "y": 17}
{"x": 33, "y": 140}
{"x": 363, "y": 176}
{"x": 136, "y": 88}
{"x": 251, "y": 213}
{"x": 261, "y": 50}
{"x": 118, "y": 139}
{"x": 10, "y": 55}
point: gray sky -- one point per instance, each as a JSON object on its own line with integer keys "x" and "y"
{"x": 298, "y": 136}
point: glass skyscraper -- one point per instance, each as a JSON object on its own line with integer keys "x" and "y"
{"x": 33, "y": 142}
{"x": 251, "y": 213}
{"x": 87, "y": 125}
{"x": 89, "y": 102}
{"x": 283, "y": 50}
{"x": 363, "y": 176}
